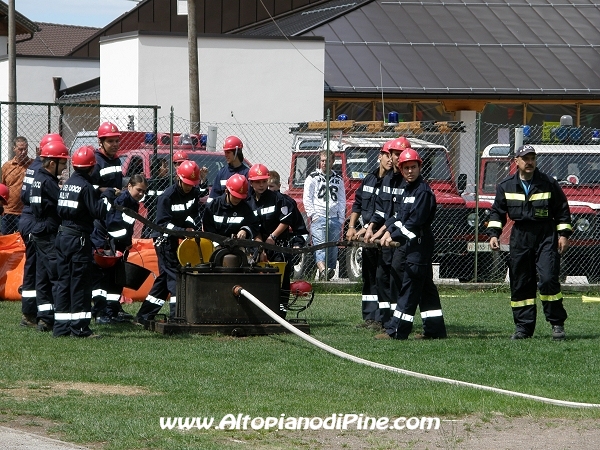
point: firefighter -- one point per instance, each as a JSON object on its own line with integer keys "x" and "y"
{"x": 44, "y": 203}
{"x": 539, "y": 236}
{"x": 230, "y": 215}
{"x": 28, "y": 294}
{"x": 177, "y": 210}
{"x": 234, "y": 156}
{"x": 79, "y": 204}
{"x": 411, "y": 224}
{"x": 360, "y": 218}
{"x": 107, "y": 174}
{"x": 276, "y": 215}
{"x": 390, "y": 262}
{"x": 119, "y": 227}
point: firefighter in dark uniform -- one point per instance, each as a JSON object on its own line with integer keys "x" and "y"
{"x": 539, "y": 236}
{"x": 44, "y": 203}
{"x": 230, "y": 215}
{"x": 177, "y": 210}
{"x": 276, "y": 215}
{"x": 106, "y": 175}
{"x": 28, "y": 293}
{"x": 79, "y": 204}
{"x": 119, "y": 226}
{"x": 360, "y": 218}
{"x": 390, "y": 262}
{"x": 411, "y": 225}
{"x": 232, "y": 149}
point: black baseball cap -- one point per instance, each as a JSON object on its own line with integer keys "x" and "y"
{"x": 524, "y": 150}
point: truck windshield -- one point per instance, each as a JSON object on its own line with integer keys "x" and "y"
{"x": 360, "y": 161}
{"x": 305, "y": 164}
{"x": 435, "y": 164}
{"x": 563, "y": 167}
{"x": 493, "y": 173}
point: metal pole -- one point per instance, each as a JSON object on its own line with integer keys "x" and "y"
{"x": 12, "y": 76}
{"x": 477, "y": 175}
{"x": 171, "y": 147}
{"x": 155, "y": 130}
{"x": 193, "y": 63}
{"x": 327, "y": 178}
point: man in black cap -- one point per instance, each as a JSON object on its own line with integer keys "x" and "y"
{"x": 539, "y": 208}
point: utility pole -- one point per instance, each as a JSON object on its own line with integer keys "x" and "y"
{"x": 12, "y": 75}
{"x": 193, "y": 63}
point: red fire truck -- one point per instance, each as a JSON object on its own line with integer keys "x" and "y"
{"x": 356, "y": 146}
{"x": 573, "y": 161}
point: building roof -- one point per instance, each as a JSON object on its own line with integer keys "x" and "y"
{"x": 54, "y": 40}
{"x": 505, "y": 48}
{"x": 23, "y": 25}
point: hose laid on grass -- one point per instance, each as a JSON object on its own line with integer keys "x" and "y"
{"x": 238, "y": 290}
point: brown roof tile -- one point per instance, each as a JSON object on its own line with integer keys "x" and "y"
{"x": 54, "y": 39}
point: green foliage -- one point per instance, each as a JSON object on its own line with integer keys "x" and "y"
{"x": 193, "y": 375}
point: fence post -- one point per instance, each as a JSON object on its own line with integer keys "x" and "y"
{"x": 155, "y": 130}
{"x": 171, "y": 119}
{"x": 327, "y": 178}
{"x": 477, "y": 175}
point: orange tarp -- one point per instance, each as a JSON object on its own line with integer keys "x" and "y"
{"x": 12, "y": 260}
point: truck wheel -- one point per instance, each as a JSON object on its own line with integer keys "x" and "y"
{"x": 354, "y": 263}
{"x": 304, "y": 266}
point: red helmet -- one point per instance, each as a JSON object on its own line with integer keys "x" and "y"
{"x": 108, "y": 129}
{"x": 106, "y": 261}
{"x": 4, "y": 193}
{"x": 386, "y": 147}
{"x": 180, "y": 156}
{"x": 189, "y": 173}
{"x": 84, "y": 157}
{"x": 399, "y": 144}
{"x": 51, "y": 137}
{"x": 300, "y": 287}
{"x": 237, "y": 185}
{"x": 409, "y": 155}
{"x": 55, "y": 149}
{"x": 232, "y": 143}
{"x": 258, "y": 172}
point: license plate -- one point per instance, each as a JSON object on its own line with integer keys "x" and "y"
{"x": 481, "y": 247}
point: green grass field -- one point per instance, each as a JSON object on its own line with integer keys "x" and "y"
{"x": 134, "y": 377}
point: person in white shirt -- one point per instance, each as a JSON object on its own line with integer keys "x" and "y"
{"x": 325, "y": 189}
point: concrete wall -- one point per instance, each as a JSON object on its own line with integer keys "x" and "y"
{"x": 35, "y": 84}
{"x": 34, "y": 76}
{"x": 248, "y": 87}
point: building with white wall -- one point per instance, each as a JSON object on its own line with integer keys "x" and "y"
{"x": 244, "y": 81}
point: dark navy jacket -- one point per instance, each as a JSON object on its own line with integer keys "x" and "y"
{"x": 119, "y": 225}
{"x": 79, "y": 204}
{"x": 273, "y": 208}
{"x": 44, "y": 202}
{"x": 390, "y": 192}
{"x": 366, "y": 194}
{"x": 107, "y": 172}
{"x": 545, "y": 203}
{"x": 176, "y": 210}
{"x": 226, "y": 219}
{"x": 218, "y": 187}
{"x": 411, "y": 223}
{"x": 27, "y": 220}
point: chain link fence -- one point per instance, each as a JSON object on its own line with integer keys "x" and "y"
{"x": 462, "y": 162}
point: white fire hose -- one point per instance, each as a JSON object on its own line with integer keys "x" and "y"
{"x": 239, "y": 291}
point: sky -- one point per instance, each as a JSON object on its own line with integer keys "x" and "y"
{"x": 91, "y": 13}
